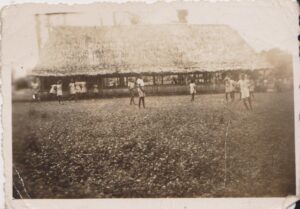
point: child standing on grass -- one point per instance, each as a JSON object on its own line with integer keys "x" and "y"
{"x": 192, "y": 89}
{"x": 243, "y": 83}
{"x": 227, "y": 88}
{"x": 77, "y": 89}
{"x": 59, "y": 92}
{"x": 232, "y": 89}
{"x": 83, "y": 89}
{"x": 36, "y": 88}
{"x": 131, "y": 87}
{"x": 251, "y": 87}
{"x": 95, "y": 91}
{"x": 141, "y": 91}
{"x": 53, "y": 91}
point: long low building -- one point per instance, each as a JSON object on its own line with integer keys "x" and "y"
{"x": 167, "y": 56}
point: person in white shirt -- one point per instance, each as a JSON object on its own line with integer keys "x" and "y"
{"x": 251, "y": 87}
{"x": 229, "y": 88}
{"x": 83, "y": 89}
{"x": 59, "y": 92}
{"x": 78, "y": 89}
{"x": 243, "y": 83}
{"x": 141, "y": 91}
{"x": 192, "y": 89}
{"x": 95, "y": 90}
{"x": 36, "y": 90}
{"x": 53, "y": 91}
{"x": 131, "y": 87}
{"x": 232, "y": 88}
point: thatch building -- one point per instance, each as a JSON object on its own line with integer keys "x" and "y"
{"x": 165, "y": 55}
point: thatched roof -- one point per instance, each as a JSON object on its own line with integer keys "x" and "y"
{"x": 145, "y": 49}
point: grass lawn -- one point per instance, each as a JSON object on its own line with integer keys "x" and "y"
{"x": 173, "y": 148}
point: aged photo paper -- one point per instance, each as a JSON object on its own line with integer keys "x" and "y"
{"x": 151, "y": 105}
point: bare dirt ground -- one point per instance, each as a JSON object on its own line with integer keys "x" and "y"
{"x": 173, "y": 148}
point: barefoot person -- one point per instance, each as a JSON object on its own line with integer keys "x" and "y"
{"x": 243, "y": 83}
{"x": 192, "y": 89}
{"x": 59, "y": 92}
{"x": 141, "y": 91}
{"x": 131, "y": 87}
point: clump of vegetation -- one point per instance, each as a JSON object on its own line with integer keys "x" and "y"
{"x": 22, "y": 83}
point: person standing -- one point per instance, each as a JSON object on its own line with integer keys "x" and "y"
{"x": 243, "y": 83}
{"x": 53, "y": 92}
{"x": 84, "y": 89}
{"x": 141, "y": 91}
{"x": 192, "y": 89}
{"x": 227, "y": 88}
{"x": 232, "y": 88}
{"x": 78, "y": 89}
{"x": 59, "y": 92}
{"x": 72, "y": 90}
{"x": 36, "y": 90}
{"x": 251, "y": 87}
{"x": 95, "y": 90}
{"x": 131, "y": 87}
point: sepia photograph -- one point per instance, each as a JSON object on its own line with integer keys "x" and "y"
{"x": 162, "y": 100}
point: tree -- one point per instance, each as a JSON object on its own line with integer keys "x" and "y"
{"x": 21, "y": 83}
{"x": 134, "y": 18}
{"x": 282, "y": 62}
{"x": 182, "y": 15}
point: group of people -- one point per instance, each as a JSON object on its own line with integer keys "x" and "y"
{"x": 139, "y": 85}
{"x": 245, "y": 86}
{"x": 77, "y": 89}
{"x": 56, "y": 90}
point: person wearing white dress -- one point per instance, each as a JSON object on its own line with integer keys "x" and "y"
{"x": 59, "y": 92}
{"x": 95, "y": 90}
{"x": 229, "y": 88}
{"x": 251, "y": 87}
{"x": 36, "y": 89}
{"x": 84, "y": 89}
{"x": 131, "y": 87}
{"x": 244, "y": 85}
{"x": 53, "y": 91}
{"x": 78, "y": 89}
{"x": 141, "y": 91}
{"x": 192, "y": 89}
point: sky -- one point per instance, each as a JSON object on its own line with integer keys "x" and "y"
{"x": 264, "y": 24}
